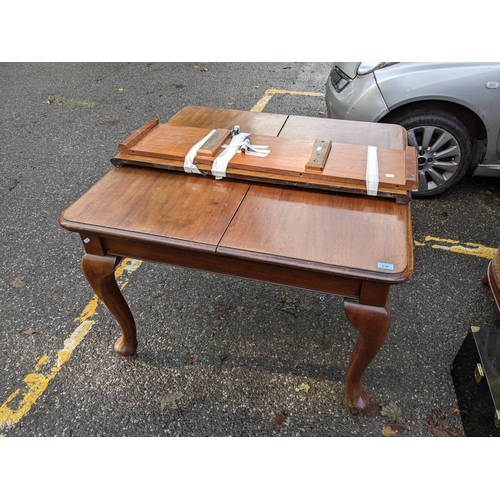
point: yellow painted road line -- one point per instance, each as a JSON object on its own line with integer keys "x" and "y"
{"x": 455, "y": 246}
{"x": 269, "y": 93}
{"x": 19, "y": 403}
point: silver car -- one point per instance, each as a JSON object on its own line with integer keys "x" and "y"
{"x": 450, "y": 110}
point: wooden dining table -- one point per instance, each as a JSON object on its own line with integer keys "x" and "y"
{"x": 343, "y": 243}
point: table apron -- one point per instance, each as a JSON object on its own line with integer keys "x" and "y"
{"x": 343, "y": 286}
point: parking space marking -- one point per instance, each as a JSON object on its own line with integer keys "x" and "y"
{"x": 455, "y": 246}
{"x": 269, "y": 93}
{"x": 22, "y": 399}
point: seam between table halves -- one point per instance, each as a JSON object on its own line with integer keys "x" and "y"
{"x": 232, "y": 218}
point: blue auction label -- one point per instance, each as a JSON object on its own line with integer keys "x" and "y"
{"x": 384, "y": 265}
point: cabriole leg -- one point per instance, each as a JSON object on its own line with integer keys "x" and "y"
{"x": 99, "y": 271}
{"x": 373, "y": 324}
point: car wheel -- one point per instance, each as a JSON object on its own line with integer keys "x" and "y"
{"x": 443, "y": 147}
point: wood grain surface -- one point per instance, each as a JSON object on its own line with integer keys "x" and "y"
{"x": 251, "y": 122}
{"x": 344, "y": 163}
{"x": 189, "y": 211}
{"x": 338, "y": 234}
{"x": 312, "y": 230}
{"x": 382, "y": 135}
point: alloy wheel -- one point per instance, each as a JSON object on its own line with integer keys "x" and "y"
{"x": 439, "y": 156}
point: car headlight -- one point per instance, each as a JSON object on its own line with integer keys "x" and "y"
{"x": 368, "y": 67}
{"x": 339, "y": 79}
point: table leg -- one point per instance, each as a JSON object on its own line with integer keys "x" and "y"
{"x": 373, "y": 323}
{"x": 99, "y": 271}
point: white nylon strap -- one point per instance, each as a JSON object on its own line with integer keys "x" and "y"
{"x": 372, "y": 171}
{"x": 219, "y": 166}
{"x": 189, "y": 166}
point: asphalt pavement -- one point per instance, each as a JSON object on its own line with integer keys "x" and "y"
{"x": 217, "y": 356}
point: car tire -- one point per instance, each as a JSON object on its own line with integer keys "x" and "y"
{"x": 444, "y": 149}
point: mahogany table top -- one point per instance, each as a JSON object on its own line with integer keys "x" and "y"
{"x": 329, "y": 232}
{"x": 334, "y": 233}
